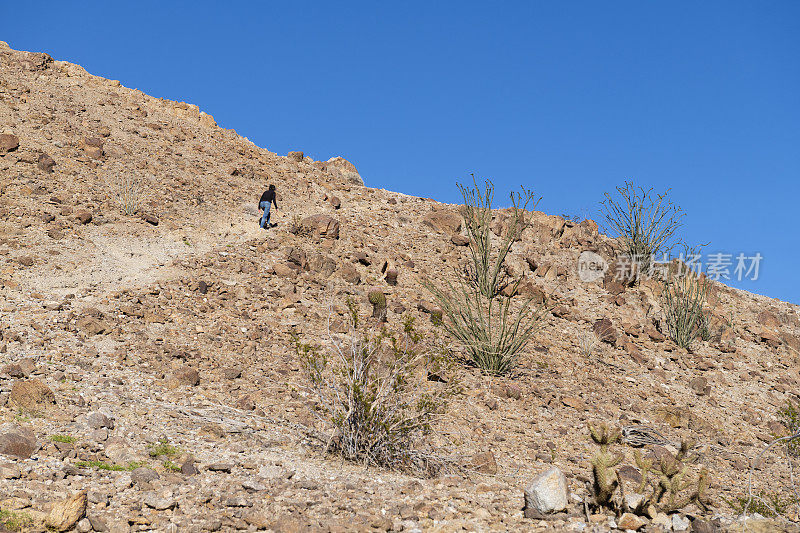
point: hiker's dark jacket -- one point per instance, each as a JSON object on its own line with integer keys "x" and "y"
{"x": 268, "y": 196}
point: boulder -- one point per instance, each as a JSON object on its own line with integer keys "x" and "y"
{"x": 321, "y": 226}
{"x": 65, "y": 514}
{"x": 547, "y": 493}
{"x": 17, "y": 441}
{"x": 32, "y": 396}
{"x": 443, "y": 220}
{"x": 296, "y": 156}
{"x": 339, "y": 166}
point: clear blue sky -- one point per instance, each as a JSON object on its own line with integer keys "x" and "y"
{"x": 568, "y": 98}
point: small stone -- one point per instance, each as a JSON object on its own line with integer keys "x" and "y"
{"x": 605, "y": 331}
{"x": 232, "y": 372}
{"x": 8, "y": 143}
{"x": 700, "y": 386}
{"x": 83, "y": 216}
{"x": 679, "y": 523}
{"x": 547, "y": 493}
{"x": 459, "y": 240}
{"x": 46, "y": 163}
{"x": 662, "y": 520}
{"x": 144, "y": 475}
{"x": 630, "y": 522}
{"x": 98, "y": 524}
{"x": 188, "y": 468}
{"x": 10, "y": 471}
{"x": 700, "y": 525}
{"x": 150, "y": 219}
{"x": 97, "y": 420}
{"x": 221, "y": 467}
{"x": 484, "y": 463}
{"x": 185, "y": 376}
{"x": 153, "y": 501}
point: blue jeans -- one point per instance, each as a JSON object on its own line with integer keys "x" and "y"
{"x": 265, "y": 218}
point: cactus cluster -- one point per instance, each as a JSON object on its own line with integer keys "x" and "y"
{"x": 671, "y": 487}
{"x": 606, "y": 479}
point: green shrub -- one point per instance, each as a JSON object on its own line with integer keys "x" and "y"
{"x": 163, "y": 448}
{"x": 373, "y": 395}
{"x": 684, "y": 302}
{"x": 102, "y": 465}
{"x": 480, "y": 309}
{"x": 68, "y": 439}
{"x": 15, "y": 520}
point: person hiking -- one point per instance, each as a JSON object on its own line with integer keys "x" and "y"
{"x": 265, "y": 203}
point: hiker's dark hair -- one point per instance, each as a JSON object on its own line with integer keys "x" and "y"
{"x": 271, "y": 187}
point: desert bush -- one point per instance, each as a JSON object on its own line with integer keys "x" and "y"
{"x": 296, "y": 227}
{"x": 586, "y": 343}
{"x": 129, "y": 191}
{"x": 479, "y": 308}
{"x": 684, "y": 302}
{"x": 790, "y": 416}
{"x": 644, "y": 222}
{"x": 373, "y": 394}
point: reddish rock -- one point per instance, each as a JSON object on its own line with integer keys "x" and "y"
{"x": 321, "y": 226}
{"x": 349, "y": 273}
{"x": 8, "y": 143}
{"x": 484, "y": 463}
{"x": 605, "y": 330}
{"x": 17, "y": 441}
{"x": 459, "y": 240}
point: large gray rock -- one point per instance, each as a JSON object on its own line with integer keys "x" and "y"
{"x": 547, "y": 493}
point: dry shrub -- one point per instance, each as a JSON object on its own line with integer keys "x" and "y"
{"x": 129, "y": 191}
{"x": 374, "y": 395}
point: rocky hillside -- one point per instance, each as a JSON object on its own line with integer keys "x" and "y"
{"x": 148, "y": 381}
